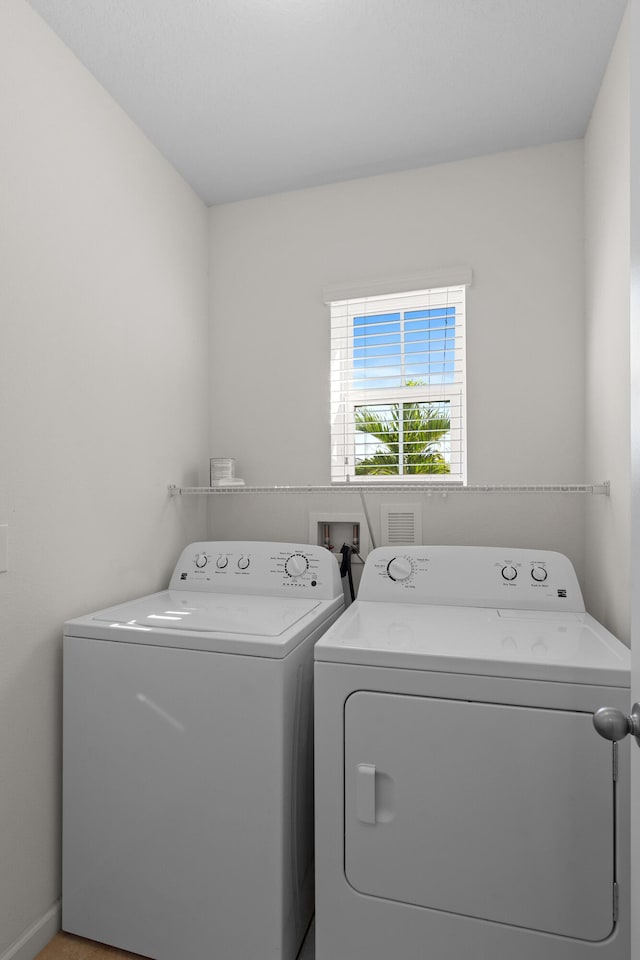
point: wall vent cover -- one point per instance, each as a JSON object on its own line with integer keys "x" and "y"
{"x": 401, "y": 524}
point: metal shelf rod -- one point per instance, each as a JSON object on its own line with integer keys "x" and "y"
{"x": 443, "y": 489}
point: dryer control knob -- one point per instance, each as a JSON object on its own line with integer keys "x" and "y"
{"x": 201, "y": 560}
{"x": 296, "y": 565}
{"x": 539, "y": 573}
{"x": 222, "y": 562}
{"x": 509, "y": 572}
{"x": 399, "y": 569}
{"x": 243, "y": 563}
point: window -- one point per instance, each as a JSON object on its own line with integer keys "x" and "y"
{"x": 398, "y": 386}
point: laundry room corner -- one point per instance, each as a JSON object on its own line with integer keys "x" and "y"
{"x": 607, "y": 311}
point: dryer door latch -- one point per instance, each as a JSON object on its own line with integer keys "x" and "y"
{"x": 366, "y": 792}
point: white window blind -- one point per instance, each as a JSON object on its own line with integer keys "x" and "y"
{"x": 398, "y": 386}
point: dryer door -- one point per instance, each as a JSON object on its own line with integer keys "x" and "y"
{"x": 498, "y": 812}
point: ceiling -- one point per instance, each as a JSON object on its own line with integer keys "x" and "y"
{"x": 252, "y": 97}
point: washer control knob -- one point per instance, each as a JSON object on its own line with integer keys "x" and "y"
{"x": 296, "y": 565}
{"x": 222, "y": 562}
{"x": 509, "y": 572}
{"x": 539, "y": 574}
{"x": 243, "y": 563}
{"x": 201, "y": 560}
{"x": 399, "y": 569}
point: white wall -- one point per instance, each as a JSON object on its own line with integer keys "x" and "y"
{"x": 517, "y": 220}
{"x": 103, "y": 307}
{"x": 607, "y": 199}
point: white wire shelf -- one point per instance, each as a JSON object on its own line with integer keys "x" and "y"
{"x": 442, "y": 489}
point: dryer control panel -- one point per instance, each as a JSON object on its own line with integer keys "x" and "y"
{"x": 258, "y": 568}
{"x": 499, "y": 577}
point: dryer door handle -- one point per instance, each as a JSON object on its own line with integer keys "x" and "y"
{"x": 613, "y": 725}
{"x": 366, "y": 792}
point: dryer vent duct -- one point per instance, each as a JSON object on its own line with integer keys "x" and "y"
{"x": 400, "y": 524}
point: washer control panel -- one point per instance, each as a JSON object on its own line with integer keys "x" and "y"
{"x": 269, "y": 569}
{"x": 472, "y": 576}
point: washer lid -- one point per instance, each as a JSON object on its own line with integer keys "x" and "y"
{"x": 257, "y": 626}
{"x": 523, "y": 644}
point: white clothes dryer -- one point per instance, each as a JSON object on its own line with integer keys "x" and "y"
{"x": 187, "y": 765}
{"x": 465, "y": 805}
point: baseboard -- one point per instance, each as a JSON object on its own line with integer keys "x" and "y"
{"x": 36, "y": 937}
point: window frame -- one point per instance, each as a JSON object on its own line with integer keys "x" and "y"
{"x": 345, "y": 397}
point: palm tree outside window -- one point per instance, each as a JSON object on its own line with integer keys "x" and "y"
{"x": 402, "y": 439}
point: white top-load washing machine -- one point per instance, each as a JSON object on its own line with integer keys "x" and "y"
{"x": 465, "y": 805}
{"x": 187, "y": 766}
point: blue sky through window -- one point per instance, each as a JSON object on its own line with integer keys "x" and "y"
{"x": 391, "y": 348}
